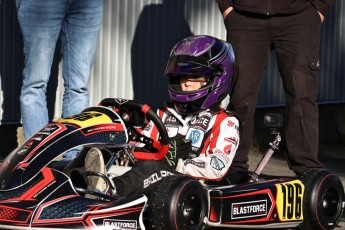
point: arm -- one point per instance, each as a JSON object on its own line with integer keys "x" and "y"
{"x": 218, "y": 153}
{"x": 224, "y": 5}
{"x": 323, "y": 6}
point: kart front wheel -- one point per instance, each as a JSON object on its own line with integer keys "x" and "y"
{"x": 178, "y": 202}
{"x": 323, "y": 200}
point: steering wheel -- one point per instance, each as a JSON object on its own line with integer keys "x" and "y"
{"x": 128, "y": 109}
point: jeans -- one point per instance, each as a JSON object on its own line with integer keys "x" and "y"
{"x": 42, "y": 23}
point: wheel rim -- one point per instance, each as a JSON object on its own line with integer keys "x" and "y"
{"x": 192, "y": 210}
{"x": 330, "y": 203}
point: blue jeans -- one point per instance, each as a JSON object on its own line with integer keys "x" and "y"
{"x": 42, "y": 22}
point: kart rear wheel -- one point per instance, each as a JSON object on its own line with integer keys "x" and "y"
{"x": 178, "y": 202}
{"x": 323, "y": 200}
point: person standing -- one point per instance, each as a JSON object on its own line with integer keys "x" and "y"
{"x": 42, "y": 23}
{"x": 292, "y": 29}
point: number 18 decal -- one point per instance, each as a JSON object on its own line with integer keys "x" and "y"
{"x": 289, "y": 200}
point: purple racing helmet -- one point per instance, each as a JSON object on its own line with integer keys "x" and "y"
{"x": 205, "y": 56}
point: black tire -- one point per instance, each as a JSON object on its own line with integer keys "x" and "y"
{"x": 178, "y": 202}
{"x": 323, "y": 199}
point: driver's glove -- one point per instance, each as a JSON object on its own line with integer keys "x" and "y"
{"x": 179, "y": 147}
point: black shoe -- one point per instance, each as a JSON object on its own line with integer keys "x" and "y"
{"x": 238, "y": 177}
{"x": 306, "y": 171}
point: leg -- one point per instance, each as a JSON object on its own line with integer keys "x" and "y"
{"x": 142, "y": 177}
{"x": 40, "y": 23}
{"x": 250, "y": 39}
{"x": 80, "y": 34}
{"x": 297, "y": 47}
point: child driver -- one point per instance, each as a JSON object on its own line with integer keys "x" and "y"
{"x": 204, "y": 137}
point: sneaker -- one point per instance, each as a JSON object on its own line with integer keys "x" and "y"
{"x": 94, "y": 162}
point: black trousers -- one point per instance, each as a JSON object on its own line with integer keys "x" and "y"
{"x": 295, "y": 40}
{"x": 142, "y": 178}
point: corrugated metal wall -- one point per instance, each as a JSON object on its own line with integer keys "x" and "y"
{"x": 135, "y": 41}
{"x": 137, "y": 37}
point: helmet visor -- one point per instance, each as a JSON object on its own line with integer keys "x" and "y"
{"x": 189, "y": 65}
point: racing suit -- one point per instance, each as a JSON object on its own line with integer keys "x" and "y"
{"x": 214, "y": 136}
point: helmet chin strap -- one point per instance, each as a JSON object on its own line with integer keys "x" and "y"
{"x": 185, "y": 127}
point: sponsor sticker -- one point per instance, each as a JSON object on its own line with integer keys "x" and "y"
{"x": 231, "y": 140}
{"x": 231, "y": 123}
{"x": 171, "y": 120}
{"x": 227, "y": 149}
{"x": 249, "y": 209}
{"x": 196, "y": 136}
{"x": 102, "y": 128}
{"x": 120, "y": 224}
{"x": 197, "y": 164}
{"x": 46, "y": 131}
{"x": 201, "y": 122}
{"x": 221, "y": 155}
{"x": 217, "y": 163}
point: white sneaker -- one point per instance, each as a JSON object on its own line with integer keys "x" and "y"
{"x": 94, "y": 162}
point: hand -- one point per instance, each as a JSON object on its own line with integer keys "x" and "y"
{"x": 227, "y": 11}
{"x": 321, "y": 17}
{"x": 178, "y": 148}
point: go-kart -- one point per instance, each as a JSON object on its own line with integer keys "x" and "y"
{"x": 37, "y": 191}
